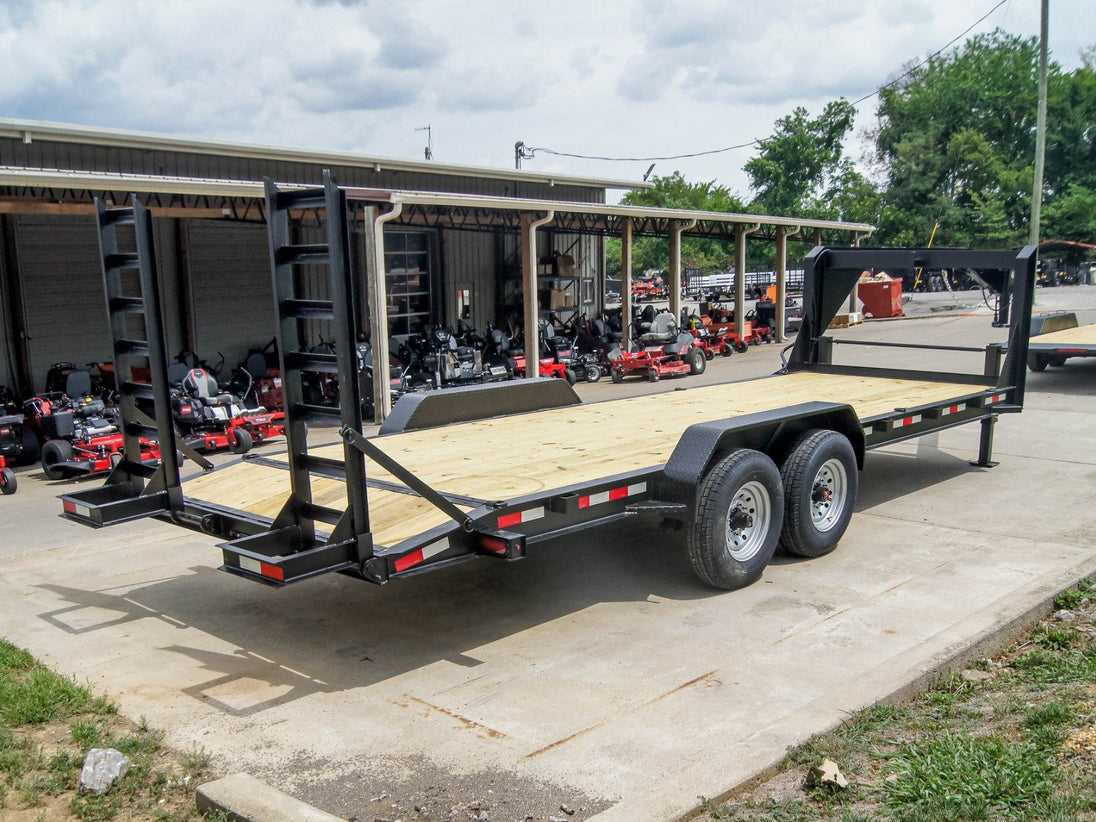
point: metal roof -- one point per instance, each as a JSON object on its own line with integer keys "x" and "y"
{"x": 31, "y": 130}
{"x": 438, "y": 209}
{"x": 708, "y": 223}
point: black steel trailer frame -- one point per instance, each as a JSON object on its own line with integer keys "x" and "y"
{"x": 306, "y": 539}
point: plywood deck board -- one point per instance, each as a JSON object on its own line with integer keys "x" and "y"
{"x": 530, "y": 453}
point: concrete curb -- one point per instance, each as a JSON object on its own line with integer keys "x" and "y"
{"x": 955, "y": 659}
{"x": 244, "y": 798}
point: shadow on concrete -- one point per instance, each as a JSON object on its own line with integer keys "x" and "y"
{"x": 334, "y": 633}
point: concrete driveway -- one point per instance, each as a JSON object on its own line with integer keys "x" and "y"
{"x": 598, "y": 673}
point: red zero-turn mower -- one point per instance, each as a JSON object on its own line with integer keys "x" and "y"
{"x": 8, "y": 483}
{"x": 551, "y": 365}
{"x": 664, "y": 351}
{"x": 210, "y": 418}
{"x": 711, "y": 343}
{"x": 18, "y": 444}
{"x": 79, "y": 434}
{"x": 721, "y": 322}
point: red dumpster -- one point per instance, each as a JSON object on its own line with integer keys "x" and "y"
{"x": 881, "y": 295}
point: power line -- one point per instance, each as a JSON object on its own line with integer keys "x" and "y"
{"x": 529, "y": 151}
{"x": 936, "y": 53}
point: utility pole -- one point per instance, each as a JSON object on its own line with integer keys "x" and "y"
{"x": 521, "y": 152}
{"x": 1040, "y": 127}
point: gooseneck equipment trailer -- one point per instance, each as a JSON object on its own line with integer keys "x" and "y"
{"x": 740, "y": 467}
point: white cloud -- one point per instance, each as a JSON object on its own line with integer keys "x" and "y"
{"x": 615, "y": 77}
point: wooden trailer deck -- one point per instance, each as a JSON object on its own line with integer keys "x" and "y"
{"x": 501, "y": 459}
{"x": 1081, "y": 336}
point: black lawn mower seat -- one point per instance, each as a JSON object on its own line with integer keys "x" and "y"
{"x": 200, "y": 384}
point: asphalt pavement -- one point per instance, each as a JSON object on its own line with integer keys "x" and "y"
{"x": 598, "y": 674}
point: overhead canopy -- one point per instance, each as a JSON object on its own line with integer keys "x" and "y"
{"x": 49, "y": 190}
{"x": 475, "y": 212}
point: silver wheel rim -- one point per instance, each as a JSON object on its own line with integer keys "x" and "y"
{"x": 749, "y": 518}
{"x": 828, "y": 493}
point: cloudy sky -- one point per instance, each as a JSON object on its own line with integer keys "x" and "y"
{"x": 617, "y": 78}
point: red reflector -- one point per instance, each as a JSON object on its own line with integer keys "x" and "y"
{"x": 1071, "y": 351}
{"x": 5, "y": 431}
{"x": 510, "y": 519}
{"x": 409, "y": 561}
{"x": 68, "y": 506}
{"x": 494, "y": 545}
{"x": 272, "y": 571}
{"x": 618, "y": 493}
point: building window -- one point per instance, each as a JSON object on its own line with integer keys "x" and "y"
{"x": 409, "y": 279}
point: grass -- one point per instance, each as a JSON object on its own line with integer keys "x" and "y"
{"x": 1014, "y": 741}
{"x": 48, "y": 723}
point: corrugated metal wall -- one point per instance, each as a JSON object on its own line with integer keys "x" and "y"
{"x": 62, "y": 292}
{"x": 45, "y": 154}
{"x": 231, "y": 290}
{"x": 9, "y": 369}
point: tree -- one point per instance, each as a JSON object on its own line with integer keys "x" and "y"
{"x": 676, "y": 192}
{"x": 801, "y": 163}
{"x": 956, "y": 138}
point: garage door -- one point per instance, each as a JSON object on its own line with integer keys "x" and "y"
{"x": 66, "y": 314}
{"x": 230, "y": 289}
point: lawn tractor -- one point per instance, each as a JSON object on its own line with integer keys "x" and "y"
{"x": 664, "y": 351}
{"x": 210, "y": 418}
{"x": 79, "y": 434}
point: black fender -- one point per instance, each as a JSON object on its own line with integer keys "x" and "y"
{"x": 771, "y": 432}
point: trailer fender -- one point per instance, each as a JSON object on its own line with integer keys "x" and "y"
{"x": 427, "y": 409}
{"x": 771, "y": 432}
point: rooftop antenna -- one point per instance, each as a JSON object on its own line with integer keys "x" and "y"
{"x": 429, "y": 150}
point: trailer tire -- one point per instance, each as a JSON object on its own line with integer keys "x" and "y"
{"x": 8, "y": 482}
{"x": 1038, "y": 362}
{"x": 54, "y": 452}
{"x": 239, "y": 441}
{"x": 697, "y": 361}
{"x": 592, "y": 373}
{"x": 820, "y": 482}
{"x": 740, "y": 505}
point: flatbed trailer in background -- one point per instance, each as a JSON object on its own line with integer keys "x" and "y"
{"x": 1057, "y": 337}
{"x": 489, "y": 471}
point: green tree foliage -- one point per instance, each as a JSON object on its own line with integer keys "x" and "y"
{"x": 675, "y": 192}
{"x": 800, "y": 170}
{"x": 957, "y": 141}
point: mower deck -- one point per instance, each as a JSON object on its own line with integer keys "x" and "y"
{"x": 523, "y": 455}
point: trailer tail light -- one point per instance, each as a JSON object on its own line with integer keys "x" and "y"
{"x": 264, "y": 569}
{"x": 501, "y": 544}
